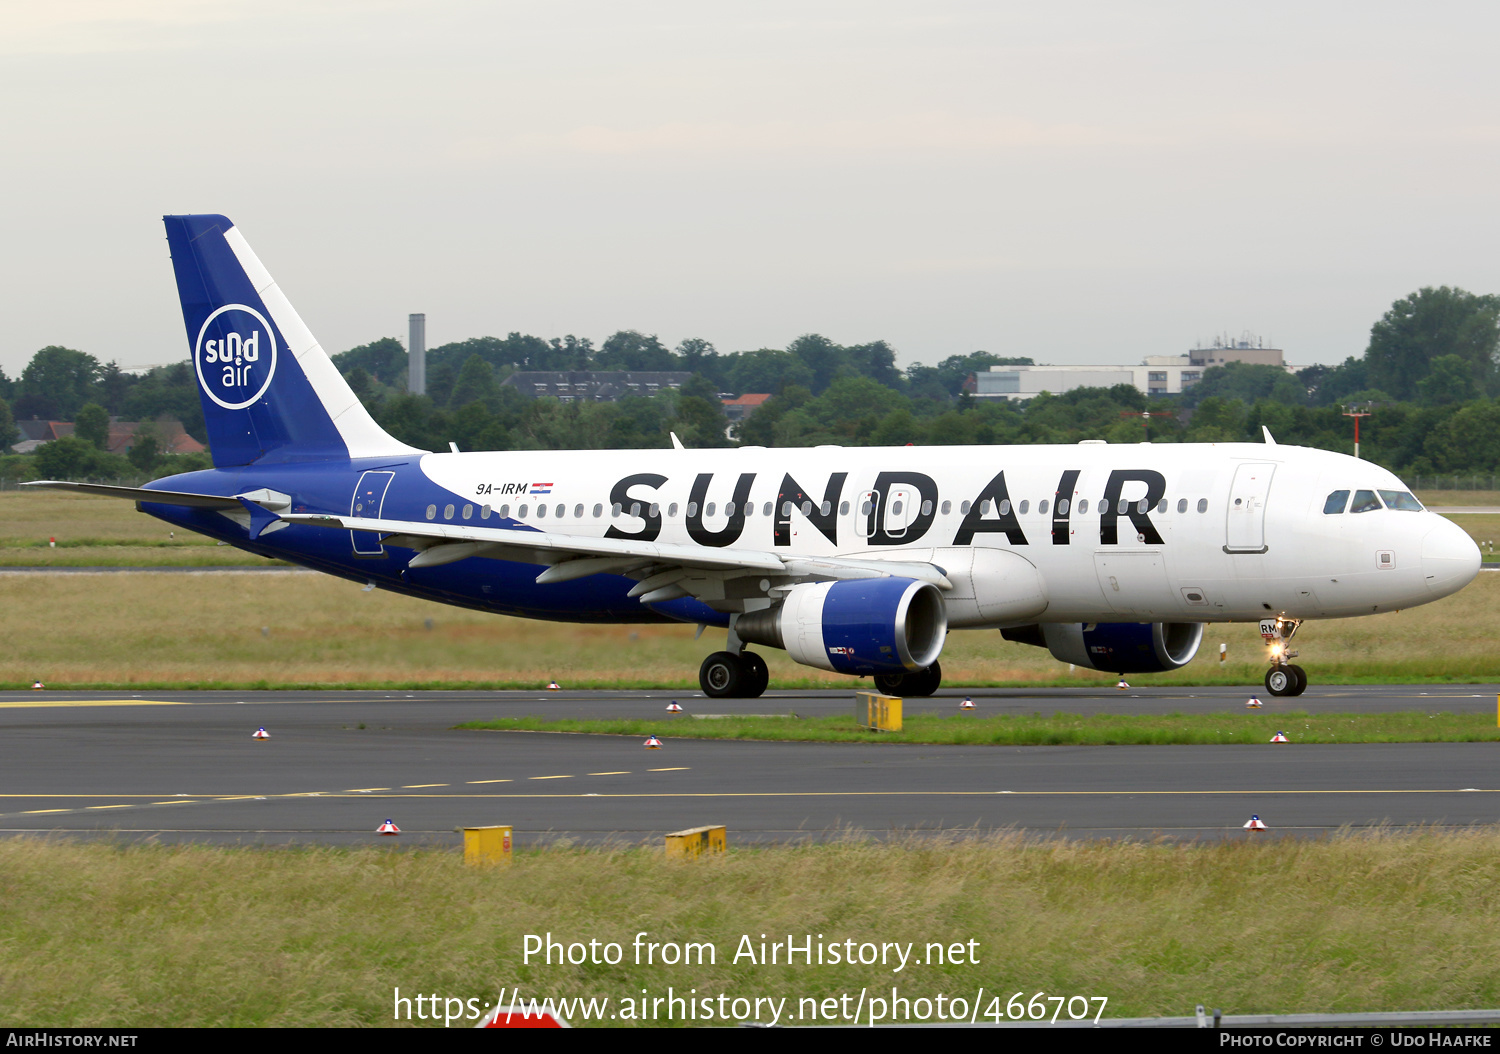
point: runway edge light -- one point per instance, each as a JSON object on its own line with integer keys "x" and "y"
{"x": 260, "y": 733}
{"x": 673, "y": 708}
{"x": 653, "y": 743}
{"x": 1253, "y": 703}
{"x": 967, "y": 704}
{"x": 388, "y": 828}
{"x": 1279, "y": 737}
{"x": 1254, "y": 824}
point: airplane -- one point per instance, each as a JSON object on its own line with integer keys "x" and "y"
{"x": 853, "y": 560}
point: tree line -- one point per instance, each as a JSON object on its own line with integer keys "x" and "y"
{"x": 1430, "y": 373}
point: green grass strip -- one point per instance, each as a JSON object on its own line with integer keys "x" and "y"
{"x": 1056, "y": 730}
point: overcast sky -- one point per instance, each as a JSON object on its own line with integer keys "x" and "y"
{"x": 1078, "y": 182}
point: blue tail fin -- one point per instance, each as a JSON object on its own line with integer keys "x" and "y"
{"x": 270, "y": 394}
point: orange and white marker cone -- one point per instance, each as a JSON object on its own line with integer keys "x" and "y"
{"x": 1253, "y": 703}
{"x": 37, "y": 686}
{"x": 1279, "y": 737}
{"x": 260, "y": 733}
{"x": 388, "y": 828}
{"x": 967, "y": 704}
{"x": 1254, "y": 824}
{"x": 652, "y": 743}
{"x": 673, "y": 708}
{"x": 1122, "y": 685}
{"x": 553, "y": 686}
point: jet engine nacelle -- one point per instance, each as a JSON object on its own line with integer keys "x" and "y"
{"x": 1117, "y": 647}
{"x": 867, "y": 625}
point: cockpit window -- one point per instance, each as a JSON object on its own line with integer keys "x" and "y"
{"x": 1400, "y": 500}
{"x": 1365, "y": 501}
{"x": 1335, "y": 503}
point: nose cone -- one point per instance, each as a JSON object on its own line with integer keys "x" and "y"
{"x": 1450, "y": 559}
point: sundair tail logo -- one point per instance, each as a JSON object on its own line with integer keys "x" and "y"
{"x": 235, "y": 356}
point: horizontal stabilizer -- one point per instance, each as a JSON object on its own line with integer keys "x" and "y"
{"x": 161, "y": 497}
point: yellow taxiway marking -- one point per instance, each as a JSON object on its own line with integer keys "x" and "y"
{"x": 125, "y": 806}
{"x": 624, "y": 773}
{"x": 419, "y": 786}
{"x": 174, "y": 801}
{"x": 551, "y": 777}
{"x": 365, "y": 790}
{"x": 490, "y": 781}
{"x": 89, "y": 702}
{"x": 680, "y": 768}
{"x": 34, "y": 812}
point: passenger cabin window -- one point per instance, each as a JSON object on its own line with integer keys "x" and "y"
{"x": 1364, "y": 501}
{"x": 1400, "y": 500}
{"x": 1335, "y": 503}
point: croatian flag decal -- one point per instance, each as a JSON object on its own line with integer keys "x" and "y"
{"x": 541, "y": 488}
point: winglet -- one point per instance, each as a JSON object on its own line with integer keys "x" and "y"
{"x": 1270, "y": 439}
{"x": 676, "y": 443}
{"x": 261, "y": 518}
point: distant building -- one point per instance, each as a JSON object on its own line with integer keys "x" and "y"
{"x": 593, "y": 386}
{"x": 174, "y": 438}
{"x": 736, "y": 410}
{"x": 1156, "y": 375}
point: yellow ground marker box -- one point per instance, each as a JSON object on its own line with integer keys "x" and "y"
{"x": 876, "y": 712}
{"x": 695, "y": 841}
{"x": 487, "y": 845}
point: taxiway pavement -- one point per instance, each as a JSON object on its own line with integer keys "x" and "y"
{"x": 182, "y": 766}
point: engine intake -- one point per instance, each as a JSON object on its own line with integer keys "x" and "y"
{"x": 1116, "y": 647}
{"x": 867, "y": 625}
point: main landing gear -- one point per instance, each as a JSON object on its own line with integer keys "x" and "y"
{"x": 725, "y": 675}
{"x": 1283, "y": 678}
{"x": 920, "y": 683}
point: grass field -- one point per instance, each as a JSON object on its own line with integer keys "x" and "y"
{"x": 135, "y": 630}
{"x": 1250, "y": 728}
{"x": 102, "y": 935}
{"x": 91, "y": 531}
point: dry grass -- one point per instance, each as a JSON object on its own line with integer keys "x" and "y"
{"x": 29, "y": 517}
{"x": 98, "y": 935}
{"x": 170, "y": 629}
{"x": 1458, "y": 497}
{"x": 95, "y": 531}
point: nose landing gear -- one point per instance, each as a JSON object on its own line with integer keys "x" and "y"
{"x": 1284, "y": 677}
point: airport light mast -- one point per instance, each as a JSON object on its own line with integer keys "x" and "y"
{"x": 1357, "y": 413}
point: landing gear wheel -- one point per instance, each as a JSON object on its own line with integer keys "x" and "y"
{"x": 911, "y": 685}
{"x": 721, "y": 676}
{"x": 1301, "y": 676}
{"x": 756, "y": 675}
{"x": 925, "y": 682}
{"x": 1280, "y": 680}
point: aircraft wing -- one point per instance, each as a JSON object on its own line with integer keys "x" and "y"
{"x": 666, "y": 570}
